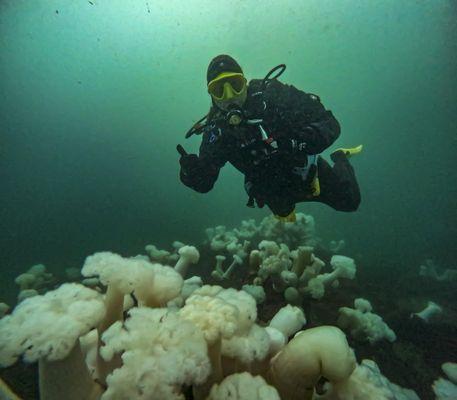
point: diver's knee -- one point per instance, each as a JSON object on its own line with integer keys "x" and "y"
{"x": 348, "y": 205}
{"x": 353, "y": 204}
{"x": 281, "y": 210}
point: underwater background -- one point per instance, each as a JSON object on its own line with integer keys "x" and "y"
{"x": 95, "y": 96}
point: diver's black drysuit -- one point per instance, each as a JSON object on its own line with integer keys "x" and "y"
{"x": 281, "y": 127}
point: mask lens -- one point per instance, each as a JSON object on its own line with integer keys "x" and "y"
{"x": 217, "y": 88}
{"x": 237, "y": 83}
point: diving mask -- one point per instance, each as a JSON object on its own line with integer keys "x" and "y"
{"x": 227, "y": 86}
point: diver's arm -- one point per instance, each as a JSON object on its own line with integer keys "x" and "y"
{"x": 306, "y": 119}
{"x": 201, "y": 172}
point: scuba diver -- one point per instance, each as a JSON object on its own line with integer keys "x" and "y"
{"x": 273, "y": 133}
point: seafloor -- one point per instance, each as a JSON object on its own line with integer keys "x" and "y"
{"x": 393, "y": 287}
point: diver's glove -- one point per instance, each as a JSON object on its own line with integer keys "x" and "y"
{"x": 189, "y": 162}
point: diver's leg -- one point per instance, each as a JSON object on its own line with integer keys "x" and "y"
{"x": 281, "y": 207}
{"x": 338, "y": 185}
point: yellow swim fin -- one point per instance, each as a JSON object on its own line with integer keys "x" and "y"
{"x": 350, "y": 151}
{"x": 288, "y": 218}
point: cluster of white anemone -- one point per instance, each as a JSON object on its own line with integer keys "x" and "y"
{"x": 446, "y": 389}
{"x": 266, "y": 247}
{"x": 297, "y": 273}
{"x": 88, "y": 347}
{"x": 237, "y": 241}
{"x": 34, "y": 281}
{"x": 363, "y": 324}
{"x": 430, "y": 270}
